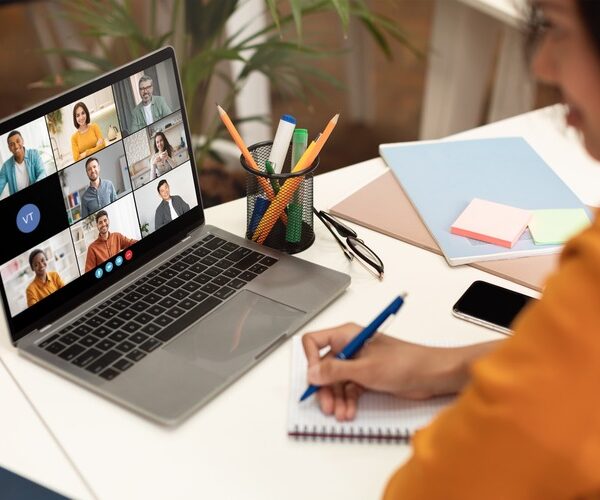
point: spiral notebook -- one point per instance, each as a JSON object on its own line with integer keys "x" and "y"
{"x": 380, "y": 417}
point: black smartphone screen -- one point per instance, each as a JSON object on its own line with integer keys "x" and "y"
{"x": 491, "y": 303}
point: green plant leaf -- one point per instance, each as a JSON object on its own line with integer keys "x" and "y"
{"x": 197, "y": 31}
{"x": 272, "y": 4}
{"x": 296, "y": 6}
{"x": 342, "y": 7}
{"x": 206, "y": 20}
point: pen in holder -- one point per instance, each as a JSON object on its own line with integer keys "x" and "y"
{"x": 294, "y": 231}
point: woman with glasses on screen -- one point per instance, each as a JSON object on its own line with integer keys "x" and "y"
{"x": 162, "y": 160}
{"x": 88, "y": 137}
{"x": 527, "y": 422}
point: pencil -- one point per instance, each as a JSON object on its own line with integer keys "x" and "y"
{"x": 237, "y": 138}
{"x": 277, "y": 206}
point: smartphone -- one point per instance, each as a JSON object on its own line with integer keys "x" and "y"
{"x": 490, "y": 305}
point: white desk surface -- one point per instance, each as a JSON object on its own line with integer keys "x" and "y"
{"x": 27, "y": 447}
{"x": 236, "y": 446}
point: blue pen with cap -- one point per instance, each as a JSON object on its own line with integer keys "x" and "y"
{"x": 356, "y": 344}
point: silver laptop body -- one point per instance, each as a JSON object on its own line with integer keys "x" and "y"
{"x": 194, "y": 359}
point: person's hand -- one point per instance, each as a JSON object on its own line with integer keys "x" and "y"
{"x": 384, "y": 364}
{"x": 99, "y": 142}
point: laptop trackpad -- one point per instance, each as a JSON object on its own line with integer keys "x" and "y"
{"x": 232, "y": 336}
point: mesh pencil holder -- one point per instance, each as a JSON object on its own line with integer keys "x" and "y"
{"x": 290, "y": 229}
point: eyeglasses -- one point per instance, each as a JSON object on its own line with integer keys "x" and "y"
{"x": 354, "y": 247}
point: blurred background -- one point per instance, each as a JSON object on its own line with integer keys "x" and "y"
{"x": 396, "y": 70}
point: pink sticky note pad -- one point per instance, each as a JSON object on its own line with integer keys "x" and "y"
{"x": 492, "y": 222}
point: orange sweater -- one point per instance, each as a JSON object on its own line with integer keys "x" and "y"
{"x": 37, "y": 289}
{"x": 528, "y": 424}
{"x": 101, "y": 250}
{"x": 80, "y": 143}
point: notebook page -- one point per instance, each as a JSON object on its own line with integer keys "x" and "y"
{"x": 378, "y": 415}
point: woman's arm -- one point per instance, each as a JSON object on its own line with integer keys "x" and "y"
{"x": 153, "y": 168}
{"x": 75, "y": 147}
{"x": 385, "y": 364}
{"x": 95, "y": 130}
{"x": 171, "y": 162}
{"x": 525, "y": 425}
{"x": 32, "y": 297}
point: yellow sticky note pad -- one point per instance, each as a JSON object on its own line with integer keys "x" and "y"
{"x": 555, "y": 226}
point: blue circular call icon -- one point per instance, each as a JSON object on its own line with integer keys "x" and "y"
{"x": 108, "y": 267}
{"x": 99, "y": 272}
{"x": 119, "y": 260}
{"x": 28, "y": 218}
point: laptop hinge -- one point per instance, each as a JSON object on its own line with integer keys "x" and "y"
{"x": 46, "y": 328}
{"x": 193, "y": 233}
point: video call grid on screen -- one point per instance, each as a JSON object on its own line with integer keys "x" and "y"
{"x": 59, "y": 182}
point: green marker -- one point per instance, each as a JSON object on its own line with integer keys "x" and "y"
{"x": 293, "y": 232}
{"x": 271, "y": 170}
{"x": 299, "y": 144}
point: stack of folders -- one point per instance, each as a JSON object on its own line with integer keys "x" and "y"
{"x": 380, "y": 417}
{"x": 472, "y": 188}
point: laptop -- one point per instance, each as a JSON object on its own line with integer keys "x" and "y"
{"x": 112, "y": 278}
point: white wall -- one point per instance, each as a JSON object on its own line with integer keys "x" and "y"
{"x": 159, "y": 125}
{"x": 181, "y": 184}
{"x": 137, "y": 146}
{"x": 166, "y": 84}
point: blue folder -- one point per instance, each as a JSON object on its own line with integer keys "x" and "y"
{"x": 440, "y": 178}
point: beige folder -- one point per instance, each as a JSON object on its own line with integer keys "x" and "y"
{"x": 382, "y": 206}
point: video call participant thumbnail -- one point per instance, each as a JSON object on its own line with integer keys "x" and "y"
{"x": 170, "y": 207}
{"x": 152, "y": 108}
{"x": 162, "y": 160}
{"x": 99, "y": 193}
{"x": 45, "y": 282}
{"x": 24, "y": 168}
{"x": 88, "y": 137}
{"x": 106, "y": 245}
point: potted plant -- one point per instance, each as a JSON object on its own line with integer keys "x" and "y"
{"x": 197, "y": 30}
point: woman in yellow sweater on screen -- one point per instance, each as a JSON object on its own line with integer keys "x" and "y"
{"x": 527, "y": 422}
{"x": 45, "y": 282}
{"x": 88, "y": 138}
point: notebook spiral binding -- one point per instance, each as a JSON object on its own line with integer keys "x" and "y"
{"x": 360, "y": 434}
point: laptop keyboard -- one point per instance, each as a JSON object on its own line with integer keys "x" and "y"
{"x": 121, "y": 331}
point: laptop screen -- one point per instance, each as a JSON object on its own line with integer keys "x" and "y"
{"x": 93, "y": 183}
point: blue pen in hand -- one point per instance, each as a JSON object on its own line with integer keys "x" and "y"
{"x": 357, "y": 342}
